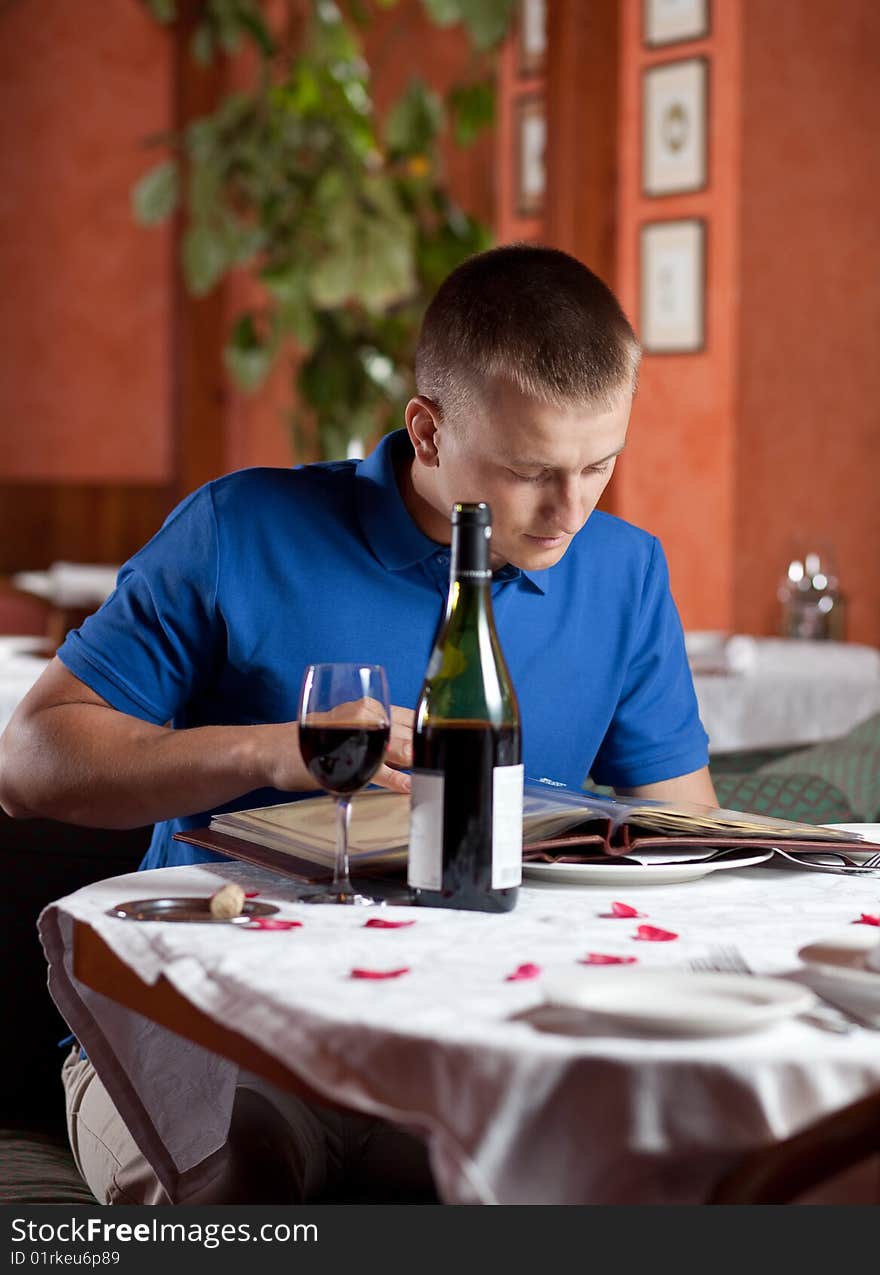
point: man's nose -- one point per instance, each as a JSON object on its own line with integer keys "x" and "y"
{"x": 566, "y": 507}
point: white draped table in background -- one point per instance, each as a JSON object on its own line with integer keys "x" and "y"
{"x": 757, "y": 692}
{"x": 512, "y": 1114}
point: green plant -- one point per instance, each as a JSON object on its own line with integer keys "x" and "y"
{"x": 344, "y": 219}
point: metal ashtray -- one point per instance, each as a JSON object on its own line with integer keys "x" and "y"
{"x": 191, "y": 909}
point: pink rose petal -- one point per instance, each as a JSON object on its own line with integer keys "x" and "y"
{"x": 653, "y": 934}
{"x": 271, "y": 923}
{"x": 523, "y": 972}
{"x": 358, "y": 973}
{"x": 622, "y": 909}
{"x": 376, "y": 923}
{"x": 867, "y": 919}
{"x": 600, "y": 958}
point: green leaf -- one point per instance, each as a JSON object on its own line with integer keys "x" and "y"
{"x": 332, "y": 275}
{"x": 415, "y": 120}
{"x": 204, "y": 258}
{"x": 253, "y": 22}
{"x": 445, "y": 13}
{"x": 164, "y": 11}
{"x": 386, "y": 268}
{"x": 156, "y": 195}
{"x": 487, "y": 21}
{"x": 204, "y": 190}
{"x": 202, "y": 45}
{"x": 288, "y": 287}
{"x": 246, "y": 357}
{"x": 472, "y": 107}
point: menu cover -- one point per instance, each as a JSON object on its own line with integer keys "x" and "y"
{"x": 559, "y": 825}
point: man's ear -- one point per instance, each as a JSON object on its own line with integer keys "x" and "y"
{"x": 422, "y": 418}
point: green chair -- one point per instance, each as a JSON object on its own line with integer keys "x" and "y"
{"x": 851, "y": 764}
{"x": 803, "y": 797}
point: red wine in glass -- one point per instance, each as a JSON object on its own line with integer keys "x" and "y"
{"x": 343, "y": 758}
{"x": 344, "y": 727}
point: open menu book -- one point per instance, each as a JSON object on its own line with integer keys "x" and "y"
{"x": 559, "y": 824}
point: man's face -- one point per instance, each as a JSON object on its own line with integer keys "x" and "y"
{"x": 541, "y": 468}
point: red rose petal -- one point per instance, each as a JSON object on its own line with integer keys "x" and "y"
{"x": 251, "y": 894}
{"x": 379, "y": 973}
{"x": 523, "y": 972}
{"x": 622, "y": 909}
{"x": 867, "y": 919}
{"x": 376, "y": 923}
{"x": 653, "y": 934}
{"x": 271, "y": 923}
{"x": 600, "y": 958}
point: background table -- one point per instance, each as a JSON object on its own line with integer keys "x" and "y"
{"x": 22, "y": 660}
{"x": 756, "y": 692}
{"x": 512, "y": 1113}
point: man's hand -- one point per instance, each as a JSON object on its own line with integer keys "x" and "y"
{"x": 400, "y": 751}
{"x": 369, "y": 712}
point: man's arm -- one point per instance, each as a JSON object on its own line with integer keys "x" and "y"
{"x": 696, "y": 787}
{"x": 67, "y": 754}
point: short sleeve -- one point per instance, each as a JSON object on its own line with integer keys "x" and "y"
{"x": 655, "y": 732}
{"x": 152, "y": 644}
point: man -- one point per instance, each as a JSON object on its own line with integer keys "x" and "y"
{"x": 176, "y": 699}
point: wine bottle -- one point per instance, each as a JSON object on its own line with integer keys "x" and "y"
{"x": 467, "y": 777}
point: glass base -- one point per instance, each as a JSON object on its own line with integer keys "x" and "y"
{"x": 349, "y": 897}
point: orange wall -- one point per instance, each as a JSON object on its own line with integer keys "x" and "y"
{"x": 677, "y": 476}
{"x": 808, "y": 461}
{"x": 84, "y": 306}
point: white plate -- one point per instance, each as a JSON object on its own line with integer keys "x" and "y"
{"x": 871, "y": 831}
{"x": 612, "y": 873}
{"x": 674, "y": 1003}
{"x": 845, "y": 969}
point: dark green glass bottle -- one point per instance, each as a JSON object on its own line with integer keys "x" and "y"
{"x": 467, "y": 778}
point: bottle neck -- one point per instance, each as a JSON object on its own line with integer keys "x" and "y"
{"x": 470, "y": 557}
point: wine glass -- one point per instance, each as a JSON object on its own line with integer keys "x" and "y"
{"x": 344, "y": 725}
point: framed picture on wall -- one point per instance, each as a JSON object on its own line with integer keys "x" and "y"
{"x": 532, "y": 36}
{"x": 530, "y": 132}
{"x": 675, "y": 107}
{"x": 672, "y": 311}
{"x": 670, "y": 21}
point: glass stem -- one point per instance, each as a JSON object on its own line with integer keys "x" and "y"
{"x": 343, "y": 817}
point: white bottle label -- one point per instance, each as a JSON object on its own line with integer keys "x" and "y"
{"x": 507, "y": 826}
{"x": 425, "y": 864}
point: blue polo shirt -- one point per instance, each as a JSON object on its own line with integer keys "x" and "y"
{"x": 264, "y": 571}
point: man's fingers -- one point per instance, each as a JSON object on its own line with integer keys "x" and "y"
{"x": 385, "y": 777}
{"x": 400, "y": 740}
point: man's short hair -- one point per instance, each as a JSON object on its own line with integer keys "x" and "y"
{"x": 534, "y": 315}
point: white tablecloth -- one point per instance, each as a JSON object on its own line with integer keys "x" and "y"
{"x": 756, "y": 692}
{"x": 513, "y": 1114}
{"x": 767, "y": 710}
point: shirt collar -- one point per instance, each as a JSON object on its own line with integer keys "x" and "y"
{"x": 388, "y": 525}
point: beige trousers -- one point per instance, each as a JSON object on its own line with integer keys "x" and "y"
{"x": 282, "y": 1150}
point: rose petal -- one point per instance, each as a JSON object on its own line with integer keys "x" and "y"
{"x": 523, "y": 972}
{"x": 867, "y": 919}
{"x": 600, "y": 958}
{"x": 271, "y": 923}
{"x": 622, "y": 909}
{"x": 653, "y": 934}
{"x": 379, "y": 973}
{"x": 251, "y": 894}
{"x": 376, "y": 923}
